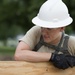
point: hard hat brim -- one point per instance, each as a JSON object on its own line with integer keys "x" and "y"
{"x": 47, "y": 24}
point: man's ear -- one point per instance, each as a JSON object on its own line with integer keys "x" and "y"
{"x": 62, "y": 29}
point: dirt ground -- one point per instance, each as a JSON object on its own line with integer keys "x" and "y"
{"x": 6, "y": 58}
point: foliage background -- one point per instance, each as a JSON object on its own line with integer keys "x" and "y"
{"x": 16, "y": 16}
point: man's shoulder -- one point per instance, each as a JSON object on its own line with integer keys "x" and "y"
{"x": 71, "y": 45}
{"x": 36, "y": 28}
{"x": 34, "y": 31}
{"x": 72, "y": 39}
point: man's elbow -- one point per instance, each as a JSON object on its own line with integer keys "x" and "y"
{"x": 17, "y": 57}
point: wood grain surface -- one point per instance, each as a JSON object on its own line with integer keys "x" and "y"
{"x": 27, "y": 68}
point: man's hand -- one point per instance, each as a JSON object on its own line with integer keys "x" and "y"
{"x": 71, "y": 60}
{"x": 61, "y": 61}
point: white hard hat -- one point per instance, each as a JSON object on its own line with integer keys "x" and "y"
{"x": 53, "y": 14}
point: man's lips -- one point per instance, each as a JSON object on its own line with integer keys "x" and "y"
{"x": 45, "y": 36}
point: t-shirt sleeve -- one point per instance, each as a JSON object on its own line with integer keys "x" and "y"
{"x": 71, "y": 45}
{"x": 30, "y": 37}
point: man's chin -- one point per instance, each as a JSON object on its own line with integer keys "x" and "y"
{"x": 46, "y": 41}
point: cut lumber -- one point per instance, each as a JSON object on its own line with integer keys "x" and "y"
{"x": 28, "y": 68}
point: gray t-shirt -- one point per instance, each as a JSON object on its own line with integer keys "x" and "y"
{"x": 32, "y": 37}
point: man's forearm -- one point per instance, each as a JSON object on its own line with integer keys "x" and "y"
{"x": 32, "y": 56}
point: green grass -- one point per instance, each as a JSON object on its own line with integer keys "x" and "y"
{"x": 6, "y": 53}
{"x": 5, "y": 48}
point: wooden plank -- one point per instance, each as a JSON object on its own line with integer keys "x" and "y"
{"x": 27, "y": 68}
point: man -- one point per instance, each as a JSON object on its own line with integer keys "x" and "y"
{"x": 47, "y": 41}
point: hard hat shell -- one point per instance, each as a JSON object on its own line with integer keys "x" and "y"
{"x": 53, "y": 14}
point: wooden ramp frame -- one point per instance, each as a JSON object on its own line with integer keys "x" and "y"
{"x": 27, "y": 68}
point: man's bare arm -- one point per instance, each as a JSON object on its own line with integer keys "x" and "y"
{"x": 23, "y": 53}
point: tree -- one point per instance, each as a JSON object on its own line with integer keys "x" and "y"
{"x": 16, "y": 16}
{"x": 71, "y": 7}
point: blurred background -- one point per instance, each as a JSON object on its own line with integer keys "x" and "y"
{"x": 15, "y": 20}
